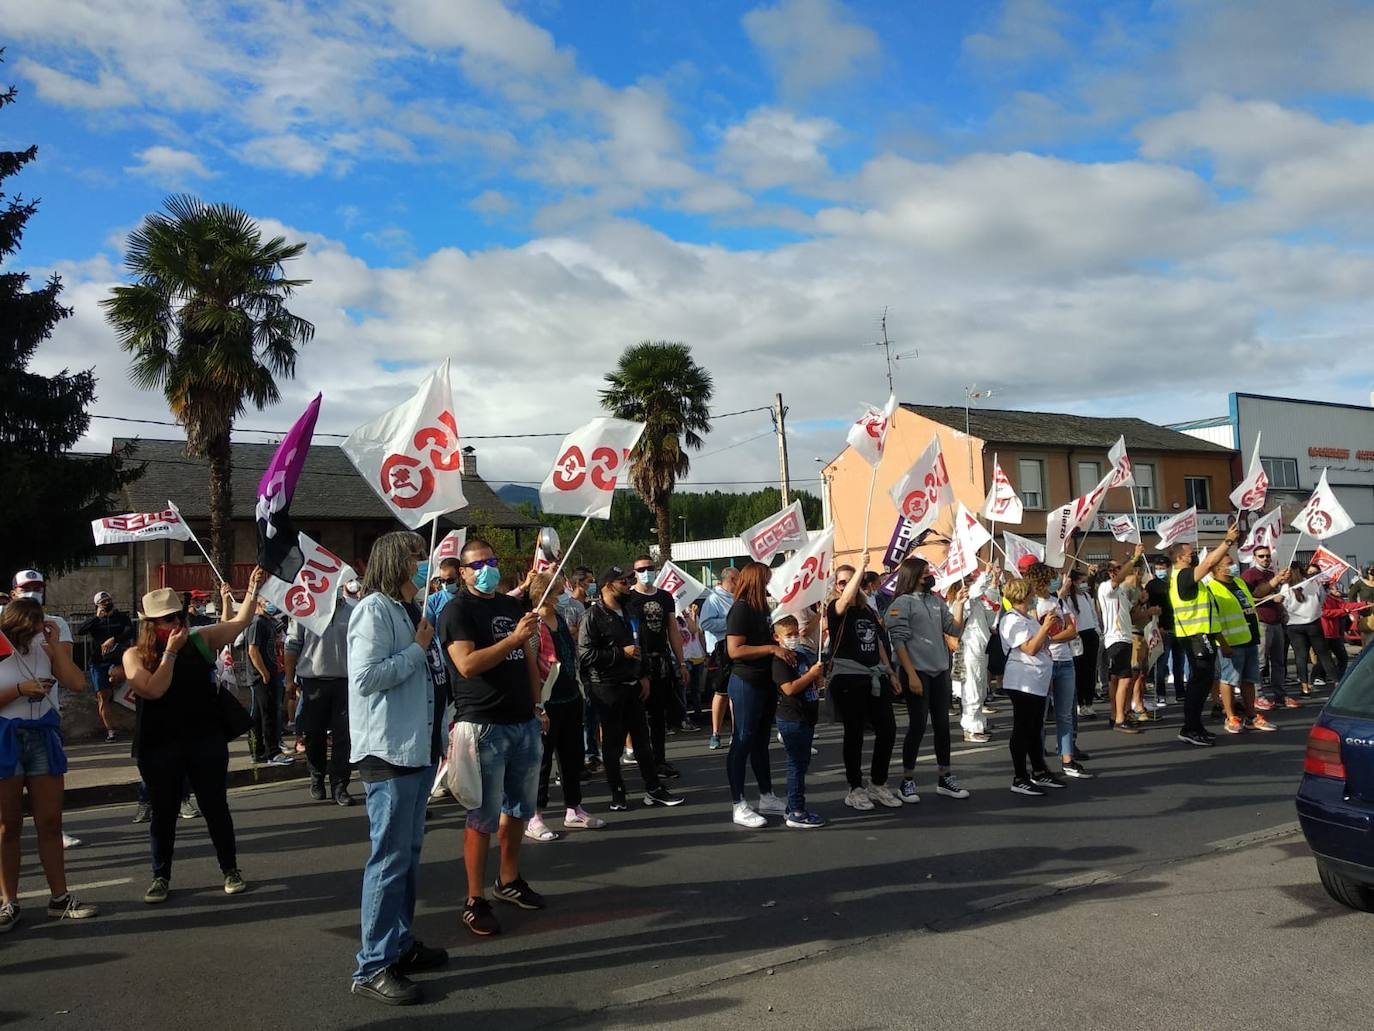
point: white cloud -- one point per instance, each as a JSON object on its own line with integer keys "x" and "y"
{"x": 1025, "y": 30}
{"x": 810, "y": 44}
{"x": 168, "y": 166}
{"x": 491, "y": 204}
{"x": 287, "y": 152}
{"x": 773, "y": 147}
{"x": 69, "y": 91}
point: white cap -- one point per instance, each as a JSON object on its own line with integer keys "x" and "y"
{"x": 28, "y": 576}
{"x": 353, "y": 587}
{"x": 101, "y": 596}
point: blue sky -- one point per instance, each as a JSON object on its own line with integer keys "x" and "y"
{"x": 1117, "y": 208}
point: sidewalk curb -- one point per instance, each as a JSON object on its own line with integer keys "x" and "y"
{"x": 93, "y": 795}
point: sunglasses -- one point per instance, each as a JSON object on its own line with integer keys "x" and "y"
{"x": 167, "y": 619}
{"x": 482, "y": 563}
{"x": 646, "y": 569}
{"x": 626, "y": 581}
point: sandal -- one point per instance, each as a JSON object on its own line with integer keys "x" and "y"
{"x": 537, "y": 830}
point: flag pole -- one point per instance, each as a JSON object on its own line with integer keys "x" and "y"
{"x": 992, "y": 520}
{"x": 172, "y": 505}
{"x": 868, "y": 518}
{"x": 429, "y": 559}
{"x": 1294, "y": 553}
{"x": 553, "y": 578}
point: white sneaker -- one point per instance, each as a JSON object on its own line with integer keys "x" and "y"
{"x": 746, "y": 817}
{"x": 1086, "y": 710}
{"x": 70, "y": 842}
{"x": 883, "y": 795}
{"x": 772, "y": 805}
{"x": 858, "y": 799}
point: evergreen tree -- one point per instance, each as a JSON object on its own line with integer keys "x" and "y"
{"x": 51, "y": 496}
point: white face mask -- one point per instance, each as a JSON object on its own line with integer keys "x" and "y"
{"x": 792, "y": 643}
{"x": 31, "y": 595}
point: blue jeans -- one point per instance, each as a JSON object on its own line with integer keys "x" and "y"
{"x": 1064, "y": 691}
{"x": 396, "y": 825}
{"x": 754, "y": 708}
{"x": 509, "y": 755}
{"x": 796, "y": 742}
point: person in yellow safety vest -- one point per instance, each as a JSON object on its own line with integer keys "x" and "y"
{"x": 1239, "y": 662}
{"x": 1195, "y": 625}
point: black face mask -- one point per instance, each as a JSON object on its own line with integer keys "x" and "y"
{"x": 1193, "y": 561}
{"x": 928, "y": 583}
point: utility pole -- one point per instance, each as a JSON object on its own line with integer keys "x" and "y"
{"x": 780, "y": 427}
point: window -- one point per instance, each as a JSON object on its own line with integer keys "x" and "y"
{"x": 1031, "y": 478}
{"x": 107, "y": 560}
{"x": 1088, "y": 475}
{"x": 1197, "y": 489}
{"x": 1282, "y": 472}
{"x": 1144, "y": 476}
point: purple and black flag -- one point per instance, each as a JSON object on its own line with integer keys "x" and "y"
{"x": 279, "y": 549}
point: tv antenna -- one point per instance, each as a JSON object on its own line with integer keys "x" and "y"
{"x": 886, "y": 345}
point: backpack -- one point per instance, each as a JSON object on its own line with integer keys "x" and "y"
{"x": 719, "y": 665}
{"x": 997, "y": 654}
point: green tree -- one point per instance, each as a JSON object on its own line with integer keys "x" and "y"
{"x": 207, "y": 324}
{"x": 51, "y": 496}
{"x": 657, "y": 383}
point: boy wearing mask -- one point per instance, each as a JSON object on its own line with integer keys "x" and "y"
{"x": 798, "y": 712}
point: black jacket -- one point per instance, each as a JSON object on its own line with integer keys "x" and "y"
{"x": 101, "y": 628}
{"x": 601, "y": 643}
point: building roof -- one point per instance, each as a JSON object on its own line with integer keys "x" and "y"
{"x": 329, "y": 487}
{"x": 712, "y": 549}
{"x": 1052, "y": 429}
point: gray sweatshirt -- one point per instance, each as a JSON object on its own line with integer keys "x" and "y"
{"x": 321, "y": 656}
{"x": 917, "y": 624}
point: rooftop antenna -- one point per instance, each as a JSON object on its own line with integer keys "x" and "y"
{"x": 886, "y": 345}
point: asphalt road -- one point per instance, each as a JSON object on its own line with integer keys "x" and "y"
{"x": 660, "y": 906}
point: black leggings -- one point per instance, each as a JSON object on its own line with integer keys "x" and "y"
{"x": 1309, "y": 636}
{"x": 623, "y": 713}
{"x": 1085, "y": 667}
{"x": 326, "y": 716}
{"x": 857, "y": 707}
{"x": 565, "y": 738}
{"x": 1025, "y": 743}
{"x": 934, "y": 699}
{"x": 163, "y": 768}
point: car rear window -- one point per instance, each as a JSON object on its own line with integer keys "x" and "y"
{"x": 1355, "y": 696}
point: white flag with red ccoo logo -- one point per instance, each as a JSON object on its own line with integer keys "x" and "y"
{"x": 684, "y": 587}
{"x": 1003, "y": 504}
{"x": 1322, "y": 516}
{"x": 925, "y": 489}
{"x": 310, "y": 598}
{"x": 1265, "y": 532}
{"x": 450, "y": 547}
{"x": 1333, "y": 567}
{"x": 782, "y": 532}
{"x": 1122, "y": 475}
{"x": 592, "y": 461}
{"x": 1179, "y": 529}
{"x": 1250, "y": 495}
{"x": 804, "y": 578}
{"x": 868, "y": 436}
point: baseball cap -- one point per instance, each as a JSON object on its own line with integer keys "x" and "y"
{"x": 610, "y": 575}
{"x": 101, "y": 596}
{"x": 25, "y": 577}
{"x": 1025, "y": 562}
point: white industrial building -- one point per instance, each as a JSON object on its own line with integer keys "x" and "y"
{"x": 1298, "y": 439}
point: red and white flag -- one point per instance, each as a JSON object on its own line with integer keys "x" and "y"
{"x": 962, "y": 558}
{"x": 450, "y": 547}
{"x": 925, "y": 489}
{"x": 1250, "y": 495}
{"x": 591, "y": 462}
{"x": 409, "y": 455}
{"x": 310, "y": 598}
{"x": 1179, "y": 529}
{"x": 1017, "y": 547}
{"x": 1003, "y": 504}
{"x": 782, "y": 532}
{"x": 1124, "y": 529}
{"x": 140, "y": 526}
{"x": 868, "y": 436}
{"x": 1154, "y": 643}
{"x": 804, "y": 578}
{"x": 1122, "y": 475}
{"x": 1078, "y": 514}
{"x": 1265, "y": 532}
{"x": 6, "y": 648}
{"x": 966, "y": 525}
{"x": 684, "y": 587}
{"x": 1322, "y": 516}
{"x": 1333, "y": 567}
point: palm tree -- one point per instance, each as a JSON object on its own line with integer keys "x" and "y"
{"x": 206, "y": 322}
{"x": 657, "y": 383}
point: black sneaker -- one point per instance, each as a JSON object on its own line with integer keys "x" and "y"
{"x": 1194, "y": 738}
{"x": 667, "y": 771}
{"x": 317, "y": 790}
{"x": 1046, "y": 779}
{"x": 479, "y": 918}
{"x": 661, "y": 796}
{"x": 518, "y": 893}
{"x": 342, "y": 797}
{"x": 619, "y": 802}
{"x": 1075, "y": 768}
{"x": 390, "y": 987}
{"x": 143, "y": 813}
{"x": 420, "y": 958}
{"x": 1025, "y": 787}
{"x": 1081, "y": 755}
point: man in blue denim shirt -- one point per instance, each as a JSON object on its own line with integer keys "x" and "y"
{"x": 391, "y": 714}
{"x": 494, "y": 670}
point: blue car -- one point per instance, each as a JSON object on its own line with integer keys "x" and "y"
{"x": 1336, "y": 799}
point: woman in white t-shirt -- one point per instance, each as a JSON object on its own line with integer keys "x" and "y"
{"x": 1052, "y": 592}
{"x": 1026, "y": 682}
{"x": 31, "y": 755}
{"x": 1302, "y": 600}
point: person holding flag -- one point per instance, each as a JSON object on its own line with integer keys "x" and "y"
{"x": 1302, "y": 602}
{"x": 1196, "y": 624}
{"x": 1238, "y": 666}
{"x": 1264, "y": 584}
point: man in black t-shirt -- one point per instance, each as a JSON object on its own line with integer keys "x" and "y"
{"x": 491, "y": 643}
{"x": 652, "y": 616}
{"x": 265, "y": 739}
{"x": 1197, "y": 632}
{"x": 1175, "y": 652}
{"x": 110, "y": 632}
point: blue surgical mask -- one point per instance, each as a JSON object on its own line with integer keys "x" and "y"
{"x": 453, "y": 588}
{"x": 421, "y": 577}
{"x": 1161, "y": 574}
{"x": 1055, "y": 584}
{"x": 646, "y": 577}
{"x": 1233, "y": 569}
{"x": 486, "y": 579}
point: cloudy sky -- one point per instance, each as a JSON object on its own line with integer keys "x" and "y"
{"x": 1100, "y": 207}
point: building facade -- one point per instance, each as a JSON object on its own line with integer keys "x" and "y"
{"x": 1050, "y": 459}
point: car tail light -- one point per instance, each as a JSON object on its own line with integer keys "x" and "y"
{"x": 1323, "y": 758}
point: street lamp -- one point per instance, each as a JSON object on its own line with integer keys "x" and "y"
{"x": 971, "y": 394}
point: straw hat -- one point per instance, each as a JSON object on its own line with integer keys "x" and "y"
{"x": 162, "y": 602}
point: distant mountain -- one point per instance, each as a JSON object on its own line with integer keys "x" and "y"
{"x": 515, "y": 494}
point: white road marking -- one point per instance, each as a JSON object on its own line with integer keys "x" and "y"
{"x": 76, "y": 888}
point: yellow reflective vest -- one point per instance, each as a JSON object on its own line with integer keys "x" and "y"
{"x": 1191, "y": 618}
{"x": 1230, "y": 615}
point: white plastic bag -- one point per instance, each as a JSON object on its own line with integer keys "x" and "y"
{"x": 464, "y": 773}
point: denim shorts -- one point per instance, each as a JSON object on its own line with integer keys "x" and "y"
{"x": 100, "y": 676}
{"x": 33, "y": 753}
{"x": 509, "y": 755}
{"x": 1242, "y": 667}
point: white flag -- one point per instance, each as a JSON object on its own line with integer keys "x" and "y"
{"x": 803, "y": 580}
{"x": 409, "y": 455}
{"x": 1179, "y": 529}
{"x": 140, "y": 526}
{"x": 868, "y": 436}
{"x": 1059, "y": 527}
{"x": 1003, "y": 504}
{"x": 1322, "y": 516}
{"x": 1017, "y": 547}
{"x": 591, "y": 461}
{"x": 962, "y": 558}
{"x": 310, "y": 599}
{"x": 1265, "y": 532}
{"x": 1085, "y": 508}
{"x": 450, "y": 547}
{"x": 1250, "y": 495}
{"x": 684, "y": 587}
{"x": 1122, "y": 475}
{"x": 966, "y": 524}
{"x": 782, "y": 532}
{"x": 1333, "y": 567}
{"x": 1154, "y": 643}
{"x": 920, "y": 494}
{"x": 1124, "y": 529}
